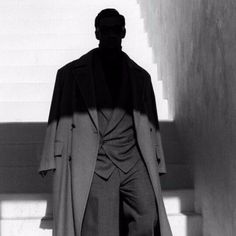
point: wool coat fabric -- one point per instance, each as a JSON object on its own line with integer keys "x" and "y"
{"x": 72, "y": 140}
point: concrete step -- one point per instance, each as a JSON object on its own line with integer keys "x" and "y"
{"x": 18, "y": 16}
{"x": 162, "y": 109}
{"x": 25, "y": 213}
{"x": 39, "y": 57}
{"x": 28, "y": 74}
{"x": 24, "y": 227}
{"x": 178, "y": 201}
{"x": 43, "y": 41}
{"x": 61, "y": 4}
{"x": 186, "y": 224}
{"x": 33, "y": 205}
{"x": 56, "y": 56}
{"x": 61, "y": 11}
{"x": 24, "y": 111}
{"x": 64, "y": 27}
{"x": 158, "y": 88}
{"x": 181, "y": 225}
{"x": 62, "y": 40}
{"x": 26, "y": 92}
{"x": 84, "y": 23}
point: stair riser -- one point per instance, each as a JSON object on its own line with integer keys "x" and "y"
{"x": 55, "y": 57}
{"x": 186, "y": 225}
{"x": 180, "y": 225}
{"x": 31, "y": 206}
{"x": 24, "y": 111}
{"x": 25, "y": 74}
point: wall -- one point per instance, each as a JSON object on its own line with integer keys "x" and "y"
{"x": 194, "y": 44}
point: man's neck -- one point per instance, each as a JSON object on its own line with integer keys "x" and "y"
{"x": 110, "y": 54}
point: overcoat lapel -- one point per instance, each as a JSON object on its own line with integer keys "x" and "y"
{"x": 103, "y": 95}
{"x": 131, "y": 73}
{"x": 119, "y": 110}
{"x": 84, "y": 78}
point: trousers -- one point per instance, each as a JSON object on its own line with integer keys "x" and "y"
{"x": 123, "y": 205}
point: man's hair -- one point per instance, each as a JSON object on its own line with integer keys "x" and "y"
{"x": 108, "y": 12}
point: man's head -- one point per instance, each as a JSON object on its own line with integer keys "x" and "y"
{"x": 110, "y": 28}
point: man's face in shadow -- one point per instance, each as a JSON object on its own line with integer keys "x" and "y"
{"x": 110, "y": 32}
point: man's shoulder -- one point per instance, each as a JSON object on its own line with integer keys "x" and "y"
{"x": 82, "y": 60}
{"x": 134, "y": 65}
{"x": 85, "y": 59}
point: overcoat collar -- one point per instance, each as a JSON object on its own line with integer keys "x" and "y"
{"x": 83, "y": 73}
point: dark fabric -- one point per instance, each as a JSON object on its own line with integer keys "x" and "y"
{"x": 123, "y": 205}
{"x": 118, "y": 145}
{"x": 111, "y": 61}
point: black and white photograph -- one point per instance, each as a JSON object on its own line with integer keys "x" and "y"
{"x": 117, "y": 118}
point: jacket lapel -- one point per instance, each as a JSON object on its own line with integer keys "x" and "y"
{"x": 119, "y": 109}
{"x": 102, "y": 91}
{"x": 84, "y": 78}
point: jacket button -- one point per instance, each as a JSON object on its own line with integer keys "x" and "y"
{"x": 151, "y": 129}
{"x": 69, "y": 158}
{"x": 72, "y": 126}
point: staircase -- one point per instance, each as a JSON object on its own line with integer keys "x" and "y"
{"x": 36, "y": 39}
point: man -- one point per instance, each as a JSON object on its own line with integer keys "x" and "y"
{"x": 103, "y": 143}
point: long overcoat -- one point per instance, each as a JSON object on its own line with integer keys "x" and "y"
{"x": 72, "y": 139}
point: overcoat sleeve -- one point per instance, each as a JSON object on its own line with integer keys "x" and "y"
{"x": 154, "y": 125}
{"x": 47, "y": 160}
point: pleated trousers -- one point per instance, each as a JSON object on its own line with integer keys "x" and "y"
{"x": 123, "y": 205}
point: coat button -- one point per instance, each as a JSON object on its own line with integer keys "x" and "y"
{"x": 151, "y": 129}
{"x": 72, "y": 126}
{"x": 69, "y": 158}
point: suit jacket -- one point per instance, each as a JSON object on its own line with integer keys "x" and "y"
{"x": 72, "y": 140}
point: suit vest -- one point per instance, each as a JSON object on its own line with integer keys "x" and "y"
{"x": 118, "y": 143}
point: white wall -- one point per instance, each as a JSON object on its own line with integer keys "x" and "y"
{"x": 194, "y": 43}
